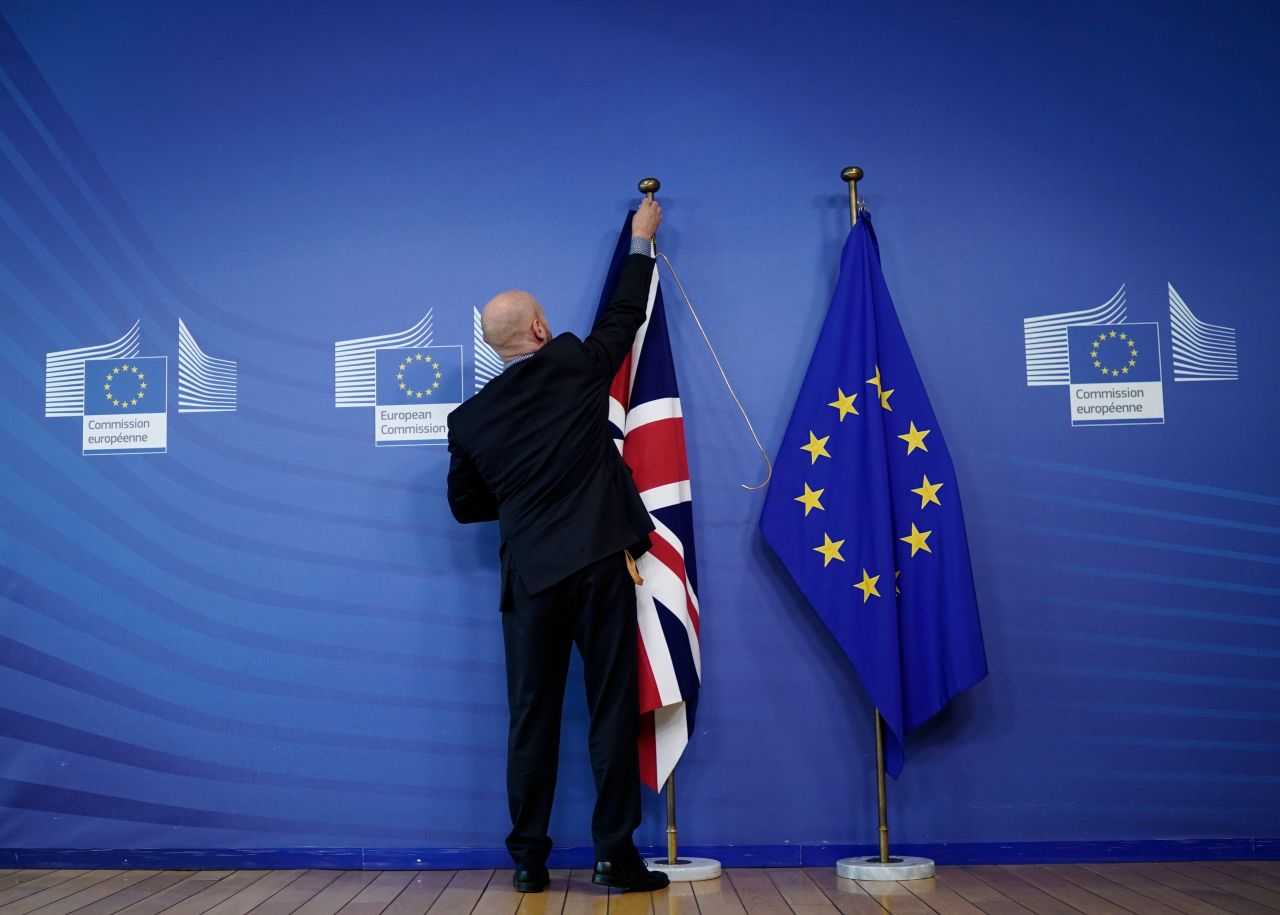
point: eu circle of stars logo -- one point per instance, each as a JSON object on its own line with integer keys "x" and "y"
{"x": 125, "y": 386}
{"x": 418, "y": 376}
{"x": 1114, "y": 353}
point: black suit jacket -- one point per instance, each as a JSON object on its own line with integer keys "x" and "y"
{"x": 533, "y": 450}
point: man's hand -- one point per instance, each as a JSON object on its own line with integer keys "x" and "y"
{"x": 645, "y": 223}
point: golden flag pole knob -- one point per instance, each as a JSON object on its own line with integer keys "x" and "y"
{"x": 852, "y": 175}
{"x": 649, "y": 186}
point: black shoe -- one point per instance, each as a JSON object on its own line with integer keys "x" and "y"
{"x": 531, "y": 879}
{"x": 629, "y": 877}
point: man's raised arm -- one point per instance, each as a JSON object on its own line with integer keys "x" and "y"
{"x": 610, "y": 340}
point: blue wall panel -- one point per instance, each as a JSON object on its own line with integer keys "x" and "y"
{"x": 274, "y": 636}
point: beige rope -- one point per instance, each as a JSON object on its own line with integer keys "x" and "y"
{"x": 764, "y": 454}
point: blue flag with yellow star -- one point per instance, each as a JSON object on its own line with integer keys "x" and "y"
{"x": 863, "y": 509}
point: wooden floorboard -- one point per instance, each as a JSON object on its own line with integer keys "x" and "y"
{"x": 98, "y": 891}
{"x": 583, "y": 897}
{"x": 20, "y": 876}
{"x": 677, "y": 899}
{"x": 717, "y": 897}
{"x": 419, "y": 895}
{"x": 1170, "y": 888}
{"x": 165, "y": 899}
{"x": 756, "y": 892}
{"x": 31, "y": 898}
{"x": 1245, "y": 870}
{"x": 941, "y": 898}
{"x": 984, "y": 897}
{"x": 1227, "y": 892}
{"x": 895, "y": 897}
{"x": 1064, "y": 890}
{"x": 1103, "y": 887}
{"x": 126, "y": 896}
{"x": 847, "y": 896}
{"x": 1179, "y": 901}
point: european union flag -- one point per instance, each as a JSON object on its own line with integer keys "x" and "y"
{"x": 1114, "y": 353}
{"x": 126, "y": 385}
{"x": 864, "y": 511}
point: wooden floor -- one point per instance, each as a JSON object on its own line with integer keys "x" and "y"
{"x": 1247, "y": 888}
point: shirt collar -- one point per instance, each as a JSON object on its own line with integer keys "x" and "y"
{"x": 512, "y": 362}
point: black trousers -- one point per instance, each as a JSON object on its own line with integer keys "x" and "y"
{"x": 594, "y": 608}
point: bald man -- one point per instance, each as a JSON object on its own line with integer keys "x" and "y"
{"x": 534, "y": 452}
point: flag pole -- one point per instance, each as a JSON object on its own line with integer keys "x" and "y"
{"x": 673, "y": 865}
{"x": 881, "y": 867}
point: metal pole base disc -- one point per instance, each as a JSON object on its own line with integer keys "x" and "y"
{"x": 904, "y": 868}
{"x": 686, "y": 869}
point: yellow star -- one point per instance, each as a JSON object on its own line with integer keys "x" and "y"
{"x": 402, "y": 366}
{"x": 1125, "y": 370}
{"x": 418, "y": 356}
{"x": 917, "y": 540}
{"x": 134, "y": 370}
{"x": 123, "y": 368}
{"x": 1094, "y": 355}
{"x": 868, "y": 586}
{"x": 435, "y": 384}
{"x": 1133, "y": 352}
{"x": 896, "y": 575}
{"x": 134, "y": 402}
{"x": 876, "y": 379}
{"x": 810, "y": 499}
{"x": 402, "y": 385}
{"x": 1115, "y": 373}
{"x": 884, "y": 398}
{"x": 106, "y": 387}
{"x": 928, "y": 492}
{"x": 124, "y": 404}
{"x": 830, "y": 550}
{"x": 915, "y": 438}
{"x": 1123, "y": 337}
{"x": 1113, "y": 333}
{"x": 419, "y": 394}
{"x": 109, "y": 375}
{"x": 817, "y": 447}
{"x": 843, "y": 403}
{"x": 1096, "y": 363}
{"x": 1102, "y": 337}
{"x": 438, "y": 375}
{"x": 1132, "y": 362}
{"x": 114, "y": 402}
{"x": 399, "y": 374}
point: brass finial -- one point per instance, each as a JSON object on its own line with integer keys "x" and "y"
{"x": 853, "y": 175}
{"x": 649, "y": 186}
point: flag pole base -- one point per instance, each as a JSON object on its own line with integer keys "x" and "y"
{"x": 872, "y": 868}
{"x": 686, "y": 869}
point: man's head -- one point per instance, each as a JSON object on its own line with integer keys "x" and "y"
{"x": 514, "y": 324}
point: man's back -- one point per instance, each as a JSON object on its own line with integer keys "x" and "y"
{"x": 533, "y": 449}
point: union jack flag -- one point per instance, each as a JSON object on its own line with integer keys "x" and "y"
{"x": 648, "y": 426}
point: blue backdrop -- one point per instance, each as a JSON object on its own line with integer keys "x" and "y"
{"x": 274, "y": 635}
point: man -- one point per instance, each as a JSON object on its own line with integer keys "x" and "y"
{"x": 533, "y": 451}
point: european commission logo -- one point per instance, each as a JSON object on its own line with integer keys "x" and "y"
{"x": 1113, "y": 369}
{"x": 122, "y": 397}
{"x": 417, "y": 389}
{"x": 412, "y": 385}
{"x": 1115, "y": 374}
{"x": 125, "y": 405}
